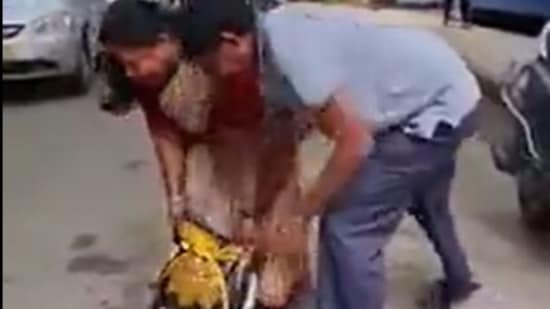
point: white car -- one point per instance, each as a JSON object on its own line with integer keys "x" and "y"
{"x": 544, "y": 40}
{"x": 49, "y": 38}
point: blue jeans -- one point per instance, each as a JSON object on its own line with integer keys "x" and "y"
{"x": 402, "y": 174}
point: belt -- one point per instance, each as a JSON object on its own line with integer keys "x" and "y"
{"x": 442, "y": 131}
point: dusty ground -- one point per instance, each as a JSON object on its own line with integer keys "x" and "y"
{"x": 83, "y": 224}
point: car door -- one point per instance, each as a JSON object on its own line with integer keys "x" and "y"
{"x": 536, "y": 8}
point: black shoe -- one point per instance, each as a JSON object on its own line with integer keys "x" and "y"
{"x": 436, "y": 298}
{"x": 440, "y": 296}
{"x": 460, "y": 293}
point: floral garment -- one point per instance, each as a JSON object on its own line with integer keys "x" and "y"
{"x": 243, "y": 162}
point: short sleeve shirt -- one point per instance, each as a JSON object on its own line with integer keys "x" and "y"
{"x": 395, "y": 75}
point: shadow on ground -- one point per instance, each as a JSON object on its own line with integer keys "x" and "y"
{"x": 509, "y": 226}
{"x": 36, "y": 92}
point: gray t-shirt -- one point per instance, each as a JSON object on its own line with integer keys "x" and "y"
{"x": 395, "y": 76}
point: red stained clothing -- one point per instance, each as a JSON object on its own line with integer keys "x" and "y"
{"x": 239, "y": 104}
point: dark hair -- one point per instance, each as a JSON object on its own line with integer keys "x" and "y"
{"x": 137, "y": 23}
{"x": 205, "y": 20}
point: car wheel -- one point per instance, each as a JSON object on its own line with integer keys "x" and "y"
{"x": 507, "y": 154}
{"x": 81, "y": 79}
{"x": 501, "y": 159}
{"x": 534, "y": 202}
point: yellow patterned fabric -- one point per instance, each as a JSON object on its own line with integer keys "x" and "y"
{"x": 187, "y": 98}
{"x": 195, "y": 276}
{"x": 221, "y": 183}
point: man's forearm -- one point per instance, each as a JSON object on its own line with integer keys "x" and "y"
{"x": 352, "y": 136}
{"x": 340, "y": 167}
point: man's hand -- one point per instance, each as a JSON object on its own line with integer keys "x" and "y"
{"x": 283, "y": 237}
{"x": 309, "y": 205}
{"x": 177, "y": 208}
{"x": 352, "y": 137}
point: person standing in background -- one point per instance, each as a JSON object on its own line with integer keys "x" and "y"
{"x": 464, "y": 12}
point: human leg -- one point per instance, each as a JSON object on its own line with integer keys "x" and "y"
{"x": 465, "y": 12}
{"x": 447, "y": 8}
{"x": 432, "y": 212}
{"x": 362, "y": 219}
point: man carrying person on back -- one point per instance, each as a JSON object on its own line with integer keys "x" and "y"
{"x": 396, "y": 102}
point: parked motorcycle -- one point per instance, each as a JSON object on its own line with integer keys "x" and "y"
{"x": 525, "y": 154}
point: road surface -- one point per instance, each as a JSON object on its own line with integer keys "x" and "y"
{"x": 488, "y": 51}
{"x": 83, "y": 224}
